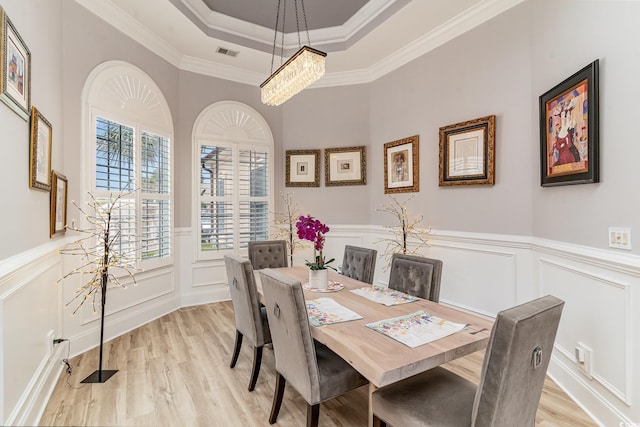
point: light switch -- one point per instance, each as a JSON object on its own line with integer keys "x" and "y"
{"x": 620, "y": 238}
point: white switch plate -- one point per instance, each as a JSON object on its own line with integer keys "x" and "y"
{"x": 620, "y": 238}
{"x": 586, "y": 353}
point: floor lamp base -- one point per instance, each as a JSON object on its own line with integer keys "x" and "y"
{"x": 95, "y": 377}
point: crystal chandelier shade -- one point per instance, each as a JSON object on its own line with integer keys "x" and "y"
{"x": 301, "y": 70}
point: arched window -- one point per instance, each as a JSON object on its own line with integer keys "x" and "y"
{"x": 130, "y": 132}
{"x": 233, "y": 197}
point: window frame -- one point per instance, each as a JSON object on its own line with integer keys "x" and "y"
{"x": 232, "y": 123}
{"x": 138, "y": 195}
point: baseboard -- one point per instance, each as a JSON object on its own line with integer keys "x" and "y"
{"x": 598, "y": 408}
{"x": 33, "y": 402}
{"x": 205, "y": 296}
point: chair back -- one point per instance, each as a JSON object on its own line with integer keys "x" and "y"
{"x": 515, "y": 364}
{"x": 290, "y": 333}
{"x": 359, "y": 263}
{"x": 268, "y": 254}
{"x": 416, "y": 275}
{"x": 244, "y": 296}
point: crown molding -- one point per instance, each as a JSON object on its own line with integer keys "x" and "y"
{"x": 451, "y": 29}
{"x": 122, "y": 21}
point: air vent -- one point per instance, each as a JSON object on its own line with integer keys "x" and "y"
{"x": 227, "y": 52}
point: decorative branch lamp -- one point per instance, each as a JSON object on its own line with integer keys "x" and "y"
{"x": 101, "y": 249}
{"x": 302, "y": 69}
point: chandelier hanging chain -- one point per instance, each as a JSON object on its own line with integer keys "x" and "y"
{"x": 275, "y": 37}
{"x": 306, "y": 25}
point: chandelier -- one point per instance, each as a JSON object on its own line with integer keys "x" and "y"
{"x": 302, "y": 69}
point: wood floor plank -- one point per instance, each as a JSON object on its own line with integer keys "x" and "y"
{"x": 174, "y": 371}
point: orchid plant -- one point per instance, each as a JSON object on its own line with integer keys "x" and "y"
{"x": 313, "y": 230}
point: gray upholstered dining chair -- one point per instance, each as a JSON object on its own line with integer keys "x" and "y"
{"x": 359, "y": 263}
{"x": 250, "y": 317}
{"x": 316, "y": 372}
{"x": 511, "y": 381}
{"x": 416, "y": 275}
{"x": 268, "y": 254}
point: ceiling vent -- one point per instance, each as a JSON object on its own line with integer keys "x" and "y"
{"x": 227, "y": 52}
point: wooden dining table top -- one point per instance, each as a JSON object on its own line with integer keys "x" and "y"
{"x": 379, "y": 358}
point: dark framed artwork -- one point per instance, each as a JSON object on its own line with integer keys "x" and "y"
{"x": 569, "y": 130}
{"x": 345, "y": 166}
{"x": 15, "y": 68}
{"x": 302, "y": 168}
{"x": 467, "y": 152}
{"x": 401, "y": 166}
{"x": 40, "y": 153}
{"x": 58, "y": 204}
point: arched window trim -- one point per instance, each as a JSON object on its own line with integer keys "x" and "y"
{"x": 121, "y": 92}
{"x": 231, "y": 124}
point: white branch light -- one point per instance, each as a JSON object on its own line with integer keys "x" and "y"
{"x": 301, "y": 70}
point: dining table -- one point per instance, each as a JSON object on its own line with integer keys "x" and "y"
{"x": 379, "y": 358}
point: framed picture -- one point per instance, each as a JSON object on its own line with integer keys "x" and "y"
{"x": 345, "y": 166}
{"x": 40, "y": 158}
{"x": 467, "y": 152}
{"x": 401, "y": 169}
{"x": 15, "y": 68}
{"x": 58, "y": 204}
{"x": 569, "y": 130}
{"x": 303, "y": 168}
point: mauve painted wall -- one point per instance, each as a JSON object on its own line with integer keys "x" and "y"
{"x": 327, "y": 118}
{"x": 579, "y": 32}
{"x": 196, "y": 93}
{"x": 24, "y": 217}
{"x": 87, "y": 42}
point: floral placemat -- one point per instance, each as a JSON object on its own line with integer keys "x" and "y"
{"x": 417, "y": 328}
{"x": 331, "y": 287}
{"x": 384, "y": 296}
{"x": 325, "y": 311}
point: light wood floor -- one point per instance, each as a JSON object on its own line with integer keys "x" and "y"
{"x": 175, "y": 371}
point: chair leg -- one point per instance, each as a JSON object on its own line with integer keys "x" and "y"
{"x": 377, "y": 422}
{"x": 277, "y": 398}
{"x": 236, "y": 349}
{"x": 257, "y": 359}
{"x": 313, "y": 414}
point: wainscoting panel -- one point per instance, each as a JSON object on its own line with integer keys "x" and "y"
{"x": 596, "y": 314}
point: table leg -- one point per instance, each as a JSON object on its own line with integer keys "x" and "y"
{"x": 372, "y": 388}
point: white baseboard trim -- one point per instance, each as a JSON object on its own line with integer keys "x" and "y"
{"x": 205, "y": 296}
{"x": 34, "y": 400}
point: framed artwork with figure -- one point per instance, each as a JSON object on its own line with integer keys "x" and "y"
{"x": 40, "y": 152}
{"x": 15, "y": 68}
{"x": 401, "y": 166}
{"x": 302, "y": 168}
{"x": 569, "y": 130}
{"x": 58, "y": 204}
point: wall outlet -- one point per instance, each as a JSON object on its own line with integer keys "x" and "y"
{"x": 620, "y": 238}
{"x": 583, "y": 358}
{"x": 50, "y": 336}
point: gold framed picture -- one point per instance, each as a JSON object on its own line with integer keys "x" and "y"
{"x": 401, "y": 166}
{"x": 345, "y": 166}
{"x": 58, "y": 204}
{"x": 40, "y": 158}
{"x": 467, "y": 152}
{"x": 15, "y": 68}
{"x": 302, "y": 168}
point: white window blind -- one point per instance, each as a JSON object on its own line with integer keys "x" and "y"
{"x": 234, "y": 196}
{"x": 136, "y": 163}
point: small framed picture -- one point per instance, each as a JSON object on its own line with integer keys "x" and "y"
{"x": 40, "y": 158}
{"x": 345, "y": 166}
{"x": 15, "y": 68}
{"x": 467, "y": 152}
{"x": 401, "y": 166}
{"x": 302, "y": 168}
{"x": 58, "y": 204}
{"x": 569, "y": 130}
